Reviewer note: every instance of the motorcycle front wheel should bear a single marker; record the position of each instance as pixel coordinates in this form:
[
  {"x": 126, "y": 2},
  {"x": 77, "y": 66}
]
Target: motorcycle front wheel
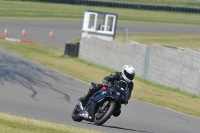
[
  {"x": 75, "y": 115},
  {"x": 103, "y": 115}
]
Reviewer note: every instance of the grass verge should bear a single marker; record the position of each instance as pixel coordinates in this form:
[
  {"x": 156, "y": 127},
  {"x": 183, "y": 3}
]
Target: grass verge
[
  {"x": 15, "y": 124},
  {"x": 53, "y": 11},
  {"x": 143, "y": 90},
  {"x": 193, "y": 3},
  {"x": 191, "y": 41}
]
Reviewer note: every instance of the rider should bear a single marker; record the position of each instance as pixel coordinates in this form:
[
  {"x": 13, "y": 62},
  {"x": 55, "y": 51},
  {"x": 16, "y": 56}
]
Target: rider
[{"x": 127, "y": 74}]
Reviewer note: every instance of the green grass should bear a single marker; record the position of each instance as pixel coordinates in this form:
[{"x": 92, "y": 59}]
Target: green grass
[
  {"x": 53, "y": 11},
  {"x": 75, "y": 40},
  {"x": 83, "y": 70},
  {"x": 15, "y": 124},
  {"x": 192, "y": 3},
  {"x": 191, "y": 41}
]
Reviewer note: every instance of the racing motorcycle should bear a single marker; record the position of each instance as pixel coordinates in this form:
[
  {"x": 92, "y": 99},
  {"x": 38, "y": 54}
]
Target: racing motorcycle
[{"x": 102, "y": 104}]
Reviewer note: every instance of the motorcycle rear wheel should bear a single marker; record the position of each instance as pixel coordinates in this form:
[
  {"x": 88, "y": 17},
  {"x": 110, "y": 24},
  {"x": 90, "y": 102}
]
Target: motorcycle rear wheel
[
  {"x": 75, "y": 115},
  {"x": 106, "y": 116}
]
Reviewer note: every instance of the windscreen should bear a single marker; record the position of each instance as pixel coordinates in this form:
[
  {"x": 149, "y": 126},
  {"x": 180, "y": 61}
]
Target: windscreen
[{"x": 120, "y": 85}]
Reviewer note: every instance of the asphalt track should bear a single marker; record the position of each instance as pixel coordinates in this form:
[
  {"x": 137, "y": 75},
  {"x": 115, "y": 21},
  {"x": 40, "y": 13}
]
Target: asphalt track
[
  {"x": 34, "y": 91},
  {"x": 63, "y": 31}
]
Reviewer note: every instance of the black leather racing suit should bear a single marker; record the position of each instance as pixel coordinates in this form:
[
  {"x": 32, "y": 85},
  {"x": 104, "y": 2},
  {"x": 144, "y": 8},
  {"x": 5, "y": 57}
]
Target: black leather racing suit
[
  {"x": 118, "y": 76},
  {"x": 109, "y": 80}
]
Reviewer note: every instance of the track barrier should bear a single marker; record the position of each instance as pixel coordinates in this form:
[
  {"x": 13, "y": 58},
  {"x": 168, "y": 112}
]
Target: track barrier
[
  {"x": 17, "y": 40},
  {"x": 71, "y": 50},
  {"x": 157, "y": 7}
]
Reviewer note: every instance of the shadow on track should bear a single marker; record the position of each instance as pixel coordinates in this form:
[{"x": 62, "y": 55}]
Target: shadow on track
[
  {"x": 126, "y": 129},
  {"x": 115, "y": 127},
  {"x": 17, "y": 71}
]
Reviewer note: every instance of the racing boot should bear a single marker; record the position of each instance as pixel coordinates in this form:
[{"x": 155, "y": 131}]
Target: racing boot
[
  {"x": 84, "y": 113},
  {"x": 117, "y": 113},
  {"x": 81, "y": 101},
  {"x": 92, "y": 89}
]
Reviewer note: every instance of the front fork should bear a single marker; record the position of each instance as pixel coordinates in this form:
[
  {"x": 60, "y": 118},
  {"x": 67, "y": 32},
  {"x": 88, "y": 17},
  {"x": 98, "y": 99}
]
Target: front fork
[
  {"x": 103, "y": 106},
  {"x": 80, "y": 104}
]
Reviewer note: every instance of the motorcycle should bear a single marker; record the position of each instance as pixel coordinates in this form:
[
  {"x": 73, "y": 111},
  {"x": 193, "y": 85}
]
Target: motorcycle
[{"x": 102, "y": 104}]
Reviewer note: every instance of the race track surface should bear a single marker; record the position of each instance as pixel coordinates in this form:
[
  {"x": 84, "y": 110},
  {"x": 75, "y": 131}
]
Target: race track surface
[
  {"x": 34, "y": 91},
  {"x": 64, "y": 31}
]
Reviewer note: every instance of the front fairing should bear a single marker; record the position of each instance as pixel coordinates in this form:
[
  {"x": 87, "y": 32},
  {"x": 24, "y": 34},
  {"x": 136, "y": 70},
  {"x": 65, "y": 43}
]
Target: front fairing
[
  {"x": 96, "y": 100},
  {"x": 120, "y": 97},
  {"x": 101, "y": 95},
  {"x": 119, "y": 90}
]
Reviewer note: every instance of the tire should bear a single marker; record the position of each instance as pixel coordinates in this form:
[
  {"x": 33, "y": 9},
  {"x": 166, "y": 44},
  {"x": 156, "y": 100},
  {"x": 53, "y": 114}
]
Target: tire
[
  {"x": 106, "y": 116},
  {"x": 75, "y": 115}
]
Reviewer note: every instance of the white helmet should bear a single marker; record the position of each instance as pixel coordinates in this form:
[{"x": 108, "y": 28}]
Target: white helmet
[{"x": 128, "y": 73}]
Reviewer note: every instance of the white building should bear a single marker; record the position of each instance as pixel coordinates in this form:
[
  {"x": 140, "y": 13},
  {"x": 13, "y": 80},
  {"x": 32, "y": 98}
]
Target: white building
[{"x": 99, "y": 24}]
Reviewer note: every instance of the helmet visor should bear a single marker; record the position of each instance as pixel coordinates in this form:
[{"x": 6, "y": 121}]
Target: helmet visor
[{"x": 129, "y": 76}]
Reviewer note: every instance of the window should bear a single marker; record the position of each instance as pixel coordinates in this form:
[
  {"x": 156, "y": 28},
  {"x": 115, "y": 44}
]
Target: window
[
  {"x": 100, "y": 22},
  {"x": 110, "y": 23},
  {"x": 110, "y": 19},
  {"x": 92, "y": 20}
]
